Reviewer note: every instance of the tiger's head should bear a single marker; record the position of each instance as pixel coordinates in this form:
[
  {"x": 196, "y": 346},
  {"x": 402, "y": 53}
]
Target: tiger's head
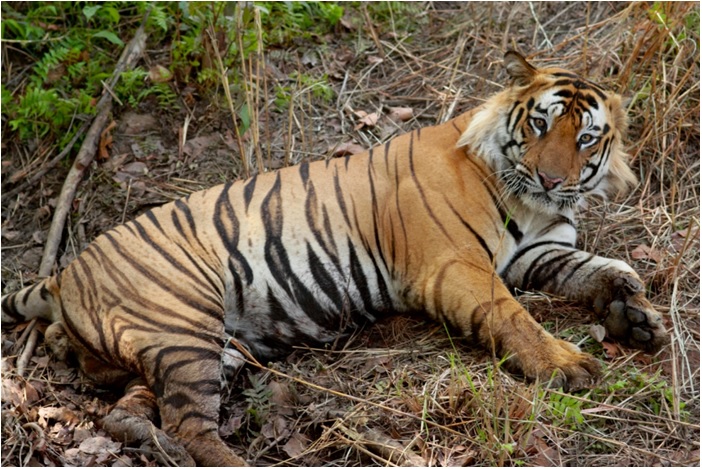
[{"x": 551, "y": 137}]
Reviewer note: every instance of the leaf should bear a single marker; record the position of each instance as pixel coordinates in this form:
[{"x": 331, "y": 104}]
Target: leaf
[
  {"x": 677, "y": 240},
  {"x": 98, "y": 445},
  {"x": 275, "y": 428},
  {"x": 160, "y": 74},
  {"x": 643, "y": 251},
  {"x": 296, "y": 445},
  {"x": 90, "y": 11},
  {"x": 401, "y": 114},
  {"x": 612, "y": 350},
  {"x": 598, "y": 332},
  {"x": 348, "y": 148},
  {"x": 366, "y": 120},
  {"x": 110, "y": 36}
]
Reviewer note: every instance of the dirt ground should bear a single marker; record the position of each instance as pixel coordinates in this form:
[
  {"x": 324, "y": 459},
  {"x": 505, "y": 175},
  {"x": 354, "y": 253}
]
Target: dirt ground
[{"x": 401, "y": 392}]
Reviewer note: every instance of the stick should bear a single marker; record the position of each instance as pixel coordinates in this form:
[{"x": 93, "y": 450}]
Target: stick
[
  {"x": 87, "y": 151},
  {"x": 382, "y": 445},
  {"x": 28, "y": 351}
]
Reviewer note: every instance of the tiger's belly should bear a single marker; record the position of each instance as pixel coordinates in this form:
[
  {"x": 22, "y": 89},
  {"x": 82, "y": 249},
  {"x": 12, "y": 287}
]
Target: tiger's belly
[{"x": 296, "y": 298}]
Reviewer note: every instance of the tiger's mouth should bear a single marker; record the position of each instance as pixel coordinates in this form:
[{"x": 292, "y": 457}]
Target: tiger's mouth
[{"x": 533, "y": 194}]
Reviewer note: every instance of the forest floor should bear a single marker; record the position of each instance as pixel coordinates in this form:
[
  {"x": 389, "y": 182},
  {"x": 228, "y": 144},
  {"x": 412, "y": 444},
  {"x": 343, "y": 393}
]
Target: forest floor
[{"x": 403, "y": 391}]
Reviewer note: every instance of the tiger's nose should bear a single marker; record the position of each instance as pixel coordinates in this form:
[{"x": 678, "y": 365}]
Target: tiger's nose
[{"x": 548, "y": 181}]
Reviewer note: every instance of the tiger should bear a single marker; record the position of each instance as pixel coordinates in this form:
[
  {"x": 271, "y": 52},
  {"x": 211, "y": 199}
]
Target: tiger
[{"x": 448, "y": 220}]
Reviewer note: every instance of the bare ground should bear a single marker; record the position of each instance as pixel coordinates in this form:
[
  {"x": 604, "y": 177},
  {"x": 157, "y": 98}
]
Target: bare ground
[{"x": 404, "y": 392}]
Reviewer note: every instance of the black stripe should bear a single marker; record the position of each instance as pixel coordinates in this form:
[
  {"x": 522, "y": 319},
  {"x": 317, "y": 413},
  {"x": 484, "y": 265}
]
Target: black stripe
[
  {"x": 538, "y": 277},
  {"x": 320, "y": 228},
  {"x": 203, "y": 289},
  {"x": 249, "y": 188},
  {"x": 574, "y": 269},
  {"x": 225, "y": 215},
  {"x": 521, "y": 252},
  {"x": 323, "y": 279},
  {"x": 475, "y": 234},
  {"x": 305, "y": 172},
  {"x": 359, "y": 278},
  {"x": 278, "y": 262},
  {"x": 164, "y": 282},
  {"x": 340, "y": 197},
  {"x": 423, "y": 197}
]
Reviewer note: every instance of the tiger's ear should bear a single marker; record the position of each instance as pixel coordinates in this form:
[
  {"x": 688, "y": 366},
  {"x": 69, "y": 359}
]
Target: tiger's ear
[{"x": 521, "y": 71}]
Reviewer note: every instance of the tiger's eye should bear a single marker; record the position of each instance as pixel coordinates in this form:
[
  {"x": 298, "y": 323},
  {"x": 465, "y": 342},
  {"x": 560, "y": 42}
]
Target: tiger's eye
[
  {"x": 540, "y": 124},
  {"x": 585, "y": 139}
]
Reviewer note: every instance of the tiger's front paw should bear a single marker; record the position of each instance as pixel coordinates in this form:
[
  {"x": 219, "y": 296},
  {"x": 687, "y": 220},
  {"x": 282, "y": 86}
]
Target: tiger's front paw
[
  {"x": 630, "y": 317},
  {"x": 559, "y": 364}
]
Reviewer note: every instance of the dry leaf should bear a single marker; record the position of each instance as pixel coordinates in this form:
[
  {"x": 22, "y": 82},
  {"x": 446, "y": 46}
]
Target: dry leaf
[
  {"x": 677, "y": 240},
  {"x": 275, "y": 428},
  {"x": 281, "y": 397},
  {"x": 348, "y": 148},
  {"x": 598, "y": 332},
  {"x": 643, "y": 251},
  {"x": 612, "y": 350},
  {"x": 366, "y": 120},
  {"x": 296, "y": 445},
  {"x": 374, "y": 59},
  {"x": 544, "y": 455},
  {"x": 400, "y": 114},
  {"x": 98, "y": 445},
  {"x": 160, "y": 74},
  {"x": 11, "y": 392},
  {"x": 105, "y": 142},
  {"x": 232, "y": 425}
]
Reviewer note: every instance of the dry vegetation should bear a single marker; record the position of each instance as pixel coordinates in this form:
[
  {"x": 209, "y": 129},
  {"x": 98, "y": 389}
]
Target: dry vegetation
[{"x": 404, "y": 392}]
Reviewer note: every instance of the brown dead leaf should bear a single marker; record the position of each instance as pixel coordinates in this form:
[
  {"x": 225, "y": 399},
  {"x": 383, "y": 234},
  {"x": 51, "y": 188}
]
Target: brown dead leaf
[
  {"x": 11, "y": 235},
  {"x": 11, "y": 392},
  {"x": 400, "y": 114},
  {"x": 544, "y": 455},
  {"x": 612, "y": 350},
  {"x": 643, "y": 251},
  {"x": 348, "y": 148},
  {"x": 678, "y": 238},
  {"x": 105, "y": 144},
  {"x": 160, "y": 74},
  {"x": 59, "y": 414},
  {"x": 231, "y": 426},
  {"x": 296, "y": 445},
  {"x": 365, "y": 119},
  {"x": 98, "y": 445},
  {"x": 281, "y": 397},
  {"x": 275, "y": 428}
]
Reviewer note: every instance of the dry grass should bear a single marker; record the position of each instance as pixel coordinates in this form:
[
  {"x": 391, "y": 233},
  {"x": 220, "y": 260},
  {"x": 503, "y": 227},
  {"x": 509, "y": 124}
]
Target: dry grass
[{"x": 404, "y": 391}]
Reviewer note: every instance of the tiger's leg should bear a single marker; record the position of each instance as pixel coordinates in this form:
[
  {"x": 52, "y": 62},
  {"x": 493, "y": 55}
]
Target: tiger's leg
[
  {"x": 611, "y": 287},
  {"x": 186, "y": 380},
  {"x": 477, "y": 302},
  {"x": 132, "y": 418}
]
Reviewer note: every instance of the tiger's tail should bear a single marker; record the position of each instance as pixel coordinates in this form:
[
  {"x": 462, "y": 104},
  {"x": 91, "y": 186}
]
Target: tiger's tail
[{"x": 35, "y": 301}]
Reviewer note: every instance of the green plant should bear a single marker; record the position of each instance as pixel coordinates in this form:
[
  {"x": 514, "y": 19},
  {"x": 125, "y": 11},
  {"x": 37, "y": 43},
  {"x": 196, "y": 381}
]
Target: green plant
[
  {"x": 258, "y": 399},
  {"x": 566, "y": 409}
]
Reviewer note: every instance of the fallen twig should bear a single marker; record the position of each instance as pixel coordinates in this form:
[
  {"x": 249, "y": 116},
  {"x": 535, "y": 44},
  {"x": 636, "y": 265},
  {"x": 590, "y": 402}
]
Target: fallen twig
[
  {"x": 384, "y": 446},
  {"x": 87, "y": 151},
  {"x": 28, "y": 349}
]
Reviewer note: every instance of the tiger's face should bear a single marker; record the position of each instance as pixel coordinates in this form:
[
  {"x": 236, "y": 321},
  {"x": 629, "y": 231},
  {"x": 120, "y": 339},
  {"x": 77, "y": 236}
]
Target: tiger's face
[{"x": 555, "y": 137}]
